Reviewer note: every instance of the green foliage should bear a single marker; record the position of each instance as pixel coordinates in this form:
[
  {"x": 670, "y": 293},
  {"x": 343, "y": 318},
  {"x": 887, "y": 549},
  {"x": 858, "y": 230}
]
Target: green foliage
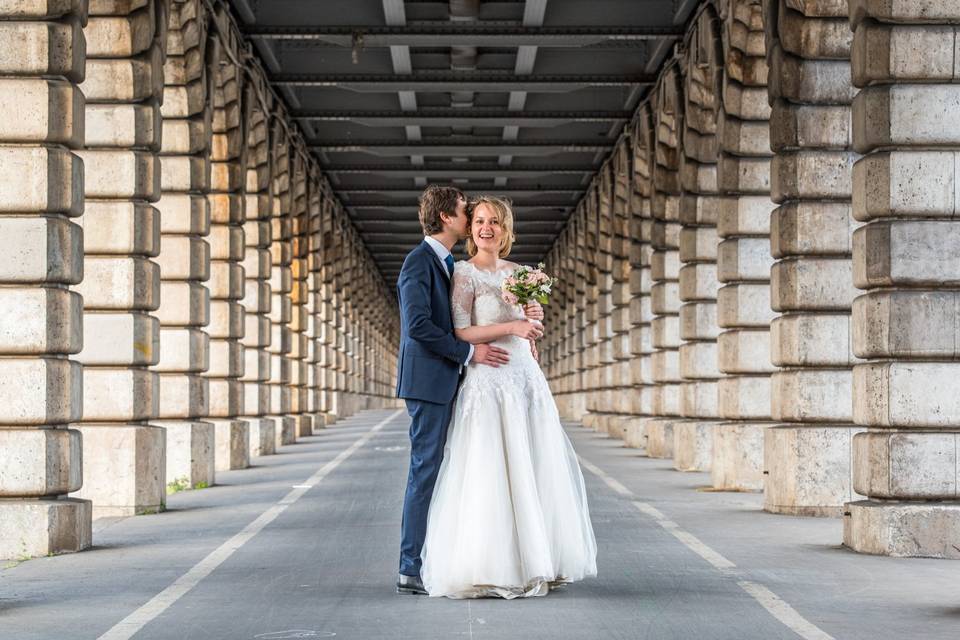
[{"x": 178, "y": 485}]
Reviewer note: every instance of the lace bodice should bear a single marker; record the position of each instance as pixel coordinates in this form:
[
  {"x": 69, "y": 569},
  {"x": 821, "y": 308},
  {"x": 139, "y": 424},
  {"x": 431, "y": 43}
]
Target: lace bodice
[{"x": 476, "y": 298}]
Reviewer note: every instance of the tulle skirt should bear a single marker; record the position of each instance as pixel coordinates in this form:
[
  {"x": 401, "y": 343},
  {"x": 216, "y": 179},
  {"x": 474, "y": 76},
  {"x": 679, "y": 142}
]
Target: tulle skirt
[{"x": 509, "y": 514}]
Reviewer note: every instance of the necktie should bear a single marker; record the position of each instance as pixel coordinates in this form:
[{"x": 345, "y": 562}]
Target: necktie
[{"x": 449, "y": 261}]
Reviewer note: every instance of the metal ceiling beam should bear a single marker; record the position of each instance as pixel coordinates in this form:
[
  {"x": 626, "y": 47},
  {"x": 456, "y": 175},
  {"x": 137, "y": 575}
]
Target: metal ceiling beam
[
  {"x": 396, "y": 257},
  {"x": 477, "y": 34},
  {"x": 412, "y": 226},
  {"x": 443, "y": 81},
  {"x": 454, "y": 147},
  {"x": 414, "y": 193},
  {"x": 411, "y": 203},
  {"x": 555, "y": 211},
  {"x": 453, "y": 171},
  {"x": 463, "y": 117},
  {"x": 374, "y": 238}
]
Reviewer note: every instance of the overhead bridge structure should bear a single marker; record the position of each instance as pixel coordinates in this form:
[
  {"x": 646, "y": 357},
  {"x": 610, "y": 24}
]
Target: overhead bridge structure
[{"x": 751, "y": 208}]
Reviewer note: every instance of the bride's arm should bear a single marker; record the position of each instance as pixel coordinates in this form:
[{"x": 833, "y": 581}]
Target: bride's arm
[{"x": 491, "y": 332}]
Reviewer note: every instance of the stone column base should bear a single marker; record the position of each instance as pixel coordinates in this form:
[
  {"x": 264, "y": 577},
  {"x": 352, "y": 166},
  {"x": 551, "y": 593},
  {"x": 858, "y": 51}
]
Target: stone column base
[
  {"x": 263, "y": 436},
  {"x": 232, "y": 444},
  {"x": 323, "y": 420},
  {"x": 32, "y": 528},
  {"x": 319, "y": 422},
  {"x": 903, "y": 529},
  {"x": 129, "y": 475},
  {"x": 635, "y": 433},
  {"x": 616, "y": 425},
  {"x": 190, "y": 452},
  {"x": 807, "y": 469},
  {"x": 660, "y": 437},
  {"x": 693, "y": 445},
  {"x": 286, "y": 431},
  {"x": 563, "y": 405},
  {"x": 737, "y": 463},
  {"x": 304, "y": 423},
  {"x": 591, "y": 421}
]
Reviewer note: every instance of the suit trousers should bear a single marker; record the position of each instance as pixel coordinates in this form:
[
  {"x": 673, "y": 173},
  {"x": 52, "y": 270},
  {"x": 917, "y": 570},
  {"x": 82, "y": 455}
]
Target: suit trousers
[{"x": 428, "y": 436}]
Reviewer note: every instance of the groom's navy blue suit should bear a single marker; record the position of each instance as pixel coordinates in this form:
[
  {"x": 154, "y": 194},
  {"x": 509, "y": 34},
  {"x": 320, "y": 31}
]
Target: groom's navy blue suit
[{"x": 429, "y": 373}]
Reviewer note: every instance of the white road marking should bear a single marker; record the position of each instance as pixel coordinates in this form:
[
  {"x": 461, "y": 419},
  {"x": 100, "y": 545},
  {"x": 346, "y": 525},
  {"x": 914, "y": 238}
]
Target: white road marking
[
  {"x": 783, "y": 612},
  {"x": 134, "y": 622},
  {"x": 775, "y": 606}
]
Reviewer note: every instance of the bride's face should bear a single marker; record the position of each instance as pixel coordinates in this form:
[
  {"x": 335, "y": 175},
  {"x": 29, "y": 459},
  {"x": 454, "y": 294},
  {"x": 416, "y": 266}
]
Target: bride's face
[{"x": 485, "y": 229}]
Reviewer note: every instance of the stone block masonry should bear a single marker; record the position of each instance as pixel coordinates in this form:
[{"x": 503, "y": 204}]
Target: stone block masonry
[
  {"x": 41, "y": 258},
  {"x": 121, "y": 284},
  {"x": 743, "y": 256},
  {"x": 807, "y": 459},
  {"x": 135, "y": 230},
  {"x": 906, "y": 263},
  {"x": 184, "y": 258}
]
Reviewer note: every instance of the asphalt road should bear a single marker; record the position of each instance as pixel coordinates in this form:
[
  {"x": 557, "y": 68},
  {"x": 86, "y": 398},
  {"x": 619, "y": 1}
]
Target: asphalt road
[{"x": 304, "y": 545}]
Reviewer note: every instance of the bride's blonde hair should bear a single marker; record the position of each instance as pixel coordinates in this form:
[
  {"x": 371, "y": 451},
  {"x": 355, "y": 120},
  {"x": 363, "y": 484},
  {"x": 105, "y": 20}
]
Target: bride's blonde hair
[{"x": 502, "y": 207}]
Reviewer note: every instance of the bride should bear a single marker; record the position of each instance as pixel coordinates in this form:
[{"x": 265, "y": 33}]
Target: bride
[{"x": 509, "y": 514}]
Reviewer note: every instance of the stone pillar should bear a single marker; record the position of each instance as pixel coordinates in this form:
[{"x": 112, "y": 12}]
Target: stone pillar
[
  {"x": 580, "y": 314},
  {"x": 351, "y": 295},
  {"x": 906, "y": 259},
  {"x": 743, "y": 257},
  {"x": 600, "y": 332},
  {"x": 281, "y": 283},
  {"x": 256, "y": 267},
  {"x": 298, "y": 298},
  {"x": 327, "y": 357},
  {"x": 125, "y": 471},
  {"x": 227, "y": 281},
  {"x": 807, "y": 460},
  {"x": 595, "y": 285},
  {"x": 319, "y": 195},
  {"x": 621, "y": 396},
  {"x": 335, "y": 317},
  {"x": 699, "y": 206},
  {"x": 550, "y": 347},
  {"x": 641, "y": 282},
  {"x": 185, "y": 255},
  {"x": 41, "y": 320},
  {"x": 665, "y": 264}
]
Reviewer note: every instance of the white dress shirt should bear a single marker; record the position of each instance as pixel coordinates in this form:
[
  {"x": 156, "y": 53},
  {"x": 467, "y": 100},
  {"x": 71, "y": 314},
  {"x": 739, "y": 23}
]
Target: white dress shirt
[{"x": 442, "y": 253}]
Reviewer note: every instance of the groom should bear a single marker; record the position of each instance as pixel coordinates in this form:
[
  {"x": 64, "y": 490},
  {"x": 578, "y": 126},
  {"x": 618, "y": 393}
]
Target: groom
[{"x": 431, "y": 360}]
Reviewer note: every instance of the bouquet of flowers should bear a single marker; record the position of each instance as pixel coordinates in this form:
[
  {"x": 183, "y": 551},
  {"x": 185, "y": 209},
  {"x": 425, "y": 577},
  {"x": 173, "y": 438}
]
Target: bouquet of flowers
[{"x": 526, "y": 284}]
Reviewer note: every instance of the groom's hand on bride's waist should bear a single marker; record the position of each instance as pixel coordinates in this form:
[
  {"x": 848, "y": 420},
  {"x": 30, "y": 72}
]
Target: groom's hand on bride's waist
[{"x": 490, "y": 355}]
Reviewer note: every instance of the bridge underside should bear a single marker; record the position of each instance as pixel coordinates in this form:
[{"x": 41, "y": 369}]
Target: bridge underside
[{"x": 750, "y": 207}]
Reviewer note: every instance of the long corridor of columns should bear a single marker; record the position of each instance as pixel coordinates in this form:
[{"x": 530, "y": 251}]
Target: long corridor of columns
[
  {"x": 758, "y": 286},
  {"x": 791, "y": 255},
  {"x": 181, "y": 290}
]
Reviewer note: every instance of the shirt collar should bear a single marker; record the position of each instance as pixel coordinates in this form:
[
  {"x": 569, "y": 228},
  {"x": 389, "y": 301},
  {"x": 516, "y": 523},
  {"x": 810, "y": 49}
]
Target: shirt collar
[{"x": 438, "y": 248}]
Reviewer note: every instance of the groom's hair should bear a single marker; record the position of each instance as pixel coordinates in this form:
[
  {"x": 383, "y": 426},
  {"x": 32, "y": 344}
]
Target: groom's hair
[{"x": 434, "y": 200}]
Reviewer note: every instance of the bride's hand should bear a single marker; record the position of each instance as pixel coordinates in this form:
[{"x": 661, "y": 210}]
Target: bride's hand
[
  {"x": 533, "y": 311},
  {"x": 526, "y": 329}
]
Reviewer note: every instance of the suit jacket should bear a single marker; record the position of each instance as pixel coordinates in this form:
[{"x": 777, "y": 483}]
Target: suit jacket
[{"x": 430, "y": 354}]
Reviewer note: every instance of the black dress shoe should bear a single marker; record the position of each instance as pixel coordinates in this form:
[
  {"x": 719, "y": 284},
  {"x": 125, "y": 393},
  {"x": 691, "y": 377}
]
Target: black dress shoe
[{"x": 410, "y": 584}]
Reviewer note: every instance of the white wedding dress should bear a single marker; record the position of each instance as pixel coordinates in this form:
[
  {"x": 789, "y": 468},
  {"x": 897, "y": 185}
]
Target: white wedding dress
[{"x": 509, "y": 512}]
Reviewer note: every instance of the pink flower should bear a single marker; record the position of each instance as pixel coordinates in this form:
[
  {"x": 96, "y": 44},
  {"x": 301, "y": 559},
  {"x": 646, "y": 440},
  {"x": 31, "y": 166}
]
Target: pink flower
[{"x": 509, "y": 298}]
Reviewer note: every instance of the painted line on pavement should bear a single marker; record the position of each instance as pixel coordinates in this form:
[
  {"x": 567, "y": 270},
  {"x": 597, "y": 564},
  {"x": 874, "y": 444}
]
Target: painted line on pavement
[
  {"x": 775, "y": 606},
  {"x": 134, "y": 622}
]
